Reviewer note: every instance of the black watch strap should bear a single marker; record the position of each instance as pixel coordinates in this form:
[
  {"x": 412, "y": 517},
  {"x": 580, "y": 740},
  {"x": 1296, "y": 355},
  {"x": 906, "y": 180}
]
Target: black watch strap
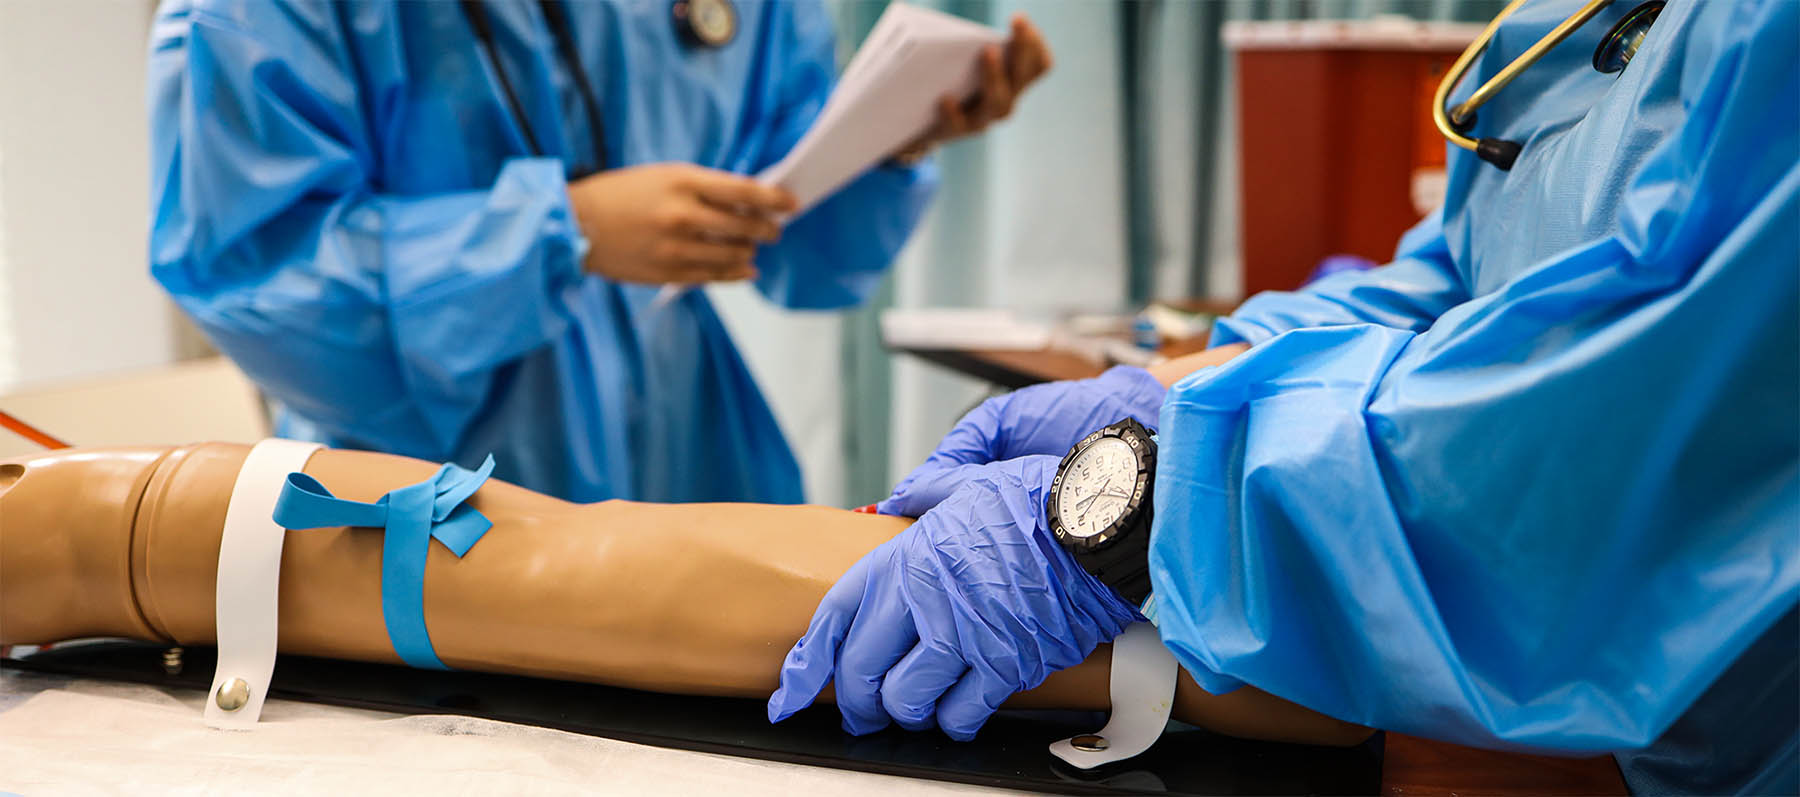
[{"x": 1123, "y": 565}]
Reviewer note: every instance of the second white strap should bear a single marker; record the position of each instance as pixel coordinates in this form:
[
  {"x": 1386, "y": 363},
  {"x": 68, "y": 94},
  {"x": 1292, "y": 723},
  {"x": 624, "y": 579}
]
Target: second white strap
[
  {"x": 247, "y": 602},
  {"x": 1143, "y": 693}
]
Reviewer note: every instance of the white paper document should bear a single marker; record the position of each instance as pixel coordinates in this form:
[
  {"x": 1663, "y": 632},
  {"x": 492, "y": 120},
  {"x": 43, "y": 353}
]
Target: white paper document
[{"x": 886, "y": 98}]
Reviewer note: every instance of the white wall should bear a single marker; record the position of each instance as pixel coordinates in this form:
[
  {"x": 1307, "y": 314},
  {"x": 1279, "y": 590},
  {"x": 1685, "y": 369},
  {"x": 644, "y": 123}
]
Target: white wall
[
  {"x": 76, "y": 297},
  {"x": 9, "y": 358}
]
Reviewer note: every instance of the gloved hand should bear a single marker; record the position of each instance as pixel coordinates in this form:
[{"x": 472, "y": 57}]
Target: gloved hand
[
  {"x": 1041, "y": 419},
  {"x": 939, "y": 625}
]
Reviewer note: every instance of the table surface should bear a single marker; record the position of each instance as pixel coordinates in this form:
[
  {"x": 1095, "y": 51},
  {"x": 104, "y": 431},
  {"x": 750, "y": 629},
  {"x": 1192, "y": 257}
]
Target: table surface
[
  {"x": 144, "y": 719},
  {"x": 62, "y": 735},
  {"x": 1412, "y": 766}
]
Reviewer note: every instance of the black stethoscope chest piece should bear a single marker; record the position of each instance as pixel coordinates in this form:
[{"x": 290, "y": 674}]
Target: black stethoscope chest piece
[{"x": 707, "y": 23}]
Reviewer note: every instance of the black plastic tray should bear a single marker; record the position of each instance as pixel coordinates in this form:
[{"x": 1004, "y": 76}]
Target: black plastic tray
[{"x": 1011, "y": 750}]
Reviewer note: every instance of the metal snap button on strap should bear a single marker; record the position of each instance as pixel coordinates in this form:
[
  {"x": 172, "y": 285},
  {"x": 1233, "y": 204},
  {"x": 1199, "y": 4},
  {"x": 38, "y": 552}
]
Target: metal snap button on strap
[
  {"x": 1091, "y": 743},
  {"x": 233, "y": 694}
]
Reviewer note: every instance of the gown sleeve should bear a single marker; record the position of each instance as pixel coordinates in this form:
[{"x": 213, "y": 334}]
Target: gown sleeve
[
  {"x": 834, "y": 254},
  {"x": 1408, "y": 293},
  {"x": 379, "y": 317},
  {"x": 1548, "y": 519}
]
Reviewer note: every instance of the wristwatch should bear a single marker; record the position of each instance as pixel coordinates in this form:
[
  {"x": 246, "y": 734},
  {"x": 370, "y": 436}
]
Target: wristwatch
[{"x": 1099, "y": 506}]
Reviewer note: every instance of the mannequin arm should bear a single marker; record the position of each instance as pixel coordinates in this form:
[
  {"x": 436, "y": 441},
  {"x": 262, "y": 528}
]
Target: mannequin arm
[
  {"x": 692, "y": 599},
  {"x": 1170, "y": 371}
]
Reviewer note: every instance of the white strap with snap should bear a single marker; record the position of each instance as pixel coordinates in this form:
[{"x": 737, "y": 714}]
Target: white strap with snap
[
  {"x": 247, "y": 601},
  {"x": 1143, "y": 692}
]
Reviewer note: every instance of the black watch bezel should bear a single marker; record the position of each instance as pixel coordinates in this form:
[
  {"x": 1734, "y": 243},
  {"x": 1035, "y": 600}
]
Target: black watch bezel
[{"x": 1136, "y": 508}]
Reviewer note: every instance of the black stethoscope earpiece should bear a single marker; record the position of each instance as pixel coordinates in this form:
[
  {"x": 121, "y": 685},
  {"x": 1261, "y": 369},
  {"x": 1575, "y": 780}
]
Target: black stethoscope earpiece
[{"x": 1615, "y": 51}]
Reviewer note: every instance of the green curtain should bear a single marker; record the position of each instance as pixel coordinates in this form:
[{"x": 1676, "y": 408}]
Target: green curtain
[{"x": 1102, "y": 188}]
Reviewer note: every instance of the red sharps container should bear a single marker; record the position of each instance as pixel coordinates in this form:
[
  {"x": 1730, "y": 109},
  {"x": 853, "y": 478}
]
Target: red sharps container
[{"x": 1337, "y": 151}]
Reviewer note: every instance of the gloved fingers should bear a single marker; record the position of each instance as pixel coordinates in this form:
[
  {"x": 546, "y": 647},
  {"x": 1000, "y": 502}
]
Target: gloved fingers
[
  {"x": 969, "y": 704},
  {"x": 927, "y": 492},
  {"x": 1133, "y": 383},
  {"x": 809, "y": 665},
  {"x": 974, "y": 440},
  {"x": 1139, "y": 394},
  {"x": 898, "y": 503},
  {"x": 1040, "y": 420},
  {"x": 914, "y": 686},
  {"x": 923, "y": 491},
  {"x": 882, "y": 633}
]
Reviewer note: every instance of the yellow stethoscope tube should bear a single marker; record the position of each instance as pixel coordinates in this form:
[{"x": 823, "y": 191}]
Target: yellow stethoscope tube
[{"x": 1454, "y": 121}]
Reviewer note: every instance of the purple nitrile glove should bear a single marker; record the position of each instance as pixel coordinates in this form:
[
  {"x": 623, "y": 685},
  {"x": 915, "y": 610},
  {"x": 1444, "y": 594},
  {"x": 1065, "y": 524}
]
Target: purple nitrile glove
[
  {"x": 973, "y": 603},
  {"x": 1041, "y": 419}
]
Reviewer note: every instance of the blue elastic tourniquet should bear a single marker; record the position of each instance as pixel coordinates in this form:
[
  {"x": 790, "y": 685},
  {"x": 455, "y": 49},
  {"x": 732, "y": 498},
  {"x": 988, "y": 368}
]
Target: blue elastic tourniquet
[{"x": 411, "y": 515}]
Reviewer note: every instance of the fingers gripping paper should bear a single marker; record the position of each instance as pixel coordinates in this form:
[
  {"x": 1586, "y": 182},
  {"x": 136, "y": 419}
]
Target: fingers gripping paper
[{"x": 886, "y": 98}]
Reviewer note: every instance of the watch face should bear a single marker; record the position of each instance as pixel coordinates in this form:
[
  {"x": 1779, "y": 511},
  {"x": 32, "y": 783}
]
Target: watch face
[{"x": 1097, "y": 487}]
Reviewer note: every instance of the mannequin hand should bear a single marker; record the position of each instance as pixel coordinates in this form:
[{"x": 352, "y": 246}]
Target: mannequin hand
[
  {"x": 942, "y": 623},
  {"x": 1004, "y": 76},
  {"x": 675, "y": 222},
  {"x": 1042, "y": 419}
]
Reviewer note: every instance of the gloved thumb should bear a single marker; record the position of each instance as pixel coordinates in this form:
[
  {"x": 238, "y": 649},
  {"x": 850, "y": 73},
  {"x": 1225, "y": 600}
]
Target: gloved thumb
[
  {"x": 927, "y": 487},
  {"x": 920, "y": 495},
  {"x": 812, "y": 661},
  {"x": 973, "y": 441}
]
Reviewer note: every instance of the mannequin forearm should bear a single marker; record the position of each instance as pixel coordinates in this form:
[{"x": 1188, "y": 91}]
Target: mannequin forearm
[
  {"x": 694, "y": 599},
  {"x": 1170, "y": 371}
]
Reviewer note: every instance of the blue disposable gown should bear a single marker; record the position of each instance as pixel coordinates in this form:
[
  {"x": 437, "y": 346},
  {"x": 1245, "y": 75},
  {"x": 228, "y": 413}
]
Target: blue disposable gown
[
  {"x": 344, "y": 204},
  {"x": 1535, "y": 484}
]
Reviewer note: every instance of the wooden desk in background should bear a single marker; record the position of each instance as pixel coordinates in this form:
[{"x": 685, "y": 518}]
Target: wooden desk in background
[
  {"x": 1013, "y": 368},
  {"x": 1411, "y": 765}
]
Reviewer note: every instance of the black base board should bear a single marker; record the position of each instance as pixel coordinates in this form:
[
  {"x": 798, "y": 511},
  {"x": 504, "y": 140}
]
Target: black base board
[{"x": 1010, "y": 752}]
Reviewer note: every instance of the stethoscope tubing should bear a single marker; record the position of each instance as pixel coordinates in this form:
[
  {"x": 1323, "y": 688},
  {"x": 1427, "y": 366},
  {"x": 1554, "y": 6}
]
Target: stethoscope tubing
[{"x": 556, "y": 17}]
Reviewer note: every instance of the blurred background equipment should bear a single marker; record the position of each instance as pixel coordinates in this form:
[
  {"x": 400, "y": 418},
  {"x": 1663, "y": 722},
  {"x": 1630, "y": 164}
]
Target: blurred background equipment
[
  {"x": 1117, "y": 184},
  {"x": 1010, "y": 349}
]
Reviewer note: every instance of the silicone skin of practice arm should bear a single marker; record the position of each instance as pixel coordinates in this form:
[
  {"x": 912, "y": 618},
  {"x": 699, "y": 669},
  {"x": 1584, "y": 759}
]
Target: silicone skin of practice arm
[{"x": 691, "y": 599}]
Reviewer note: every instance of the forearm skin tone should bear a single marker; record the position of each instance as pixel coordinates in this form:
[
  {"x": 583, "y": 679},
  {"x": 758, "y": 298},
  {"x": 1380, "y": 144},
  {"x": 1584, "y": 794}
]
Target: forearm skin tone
[
  {"x": 1168, "y": 372},
  {"x": 692, "y": 599}
]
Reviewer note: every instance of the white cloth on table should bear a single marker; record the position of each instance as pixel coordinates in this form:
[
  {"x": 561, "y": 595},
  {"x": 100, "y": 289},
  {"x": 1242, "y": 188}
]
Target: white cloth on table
[{"x": 71, "y": 736}]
